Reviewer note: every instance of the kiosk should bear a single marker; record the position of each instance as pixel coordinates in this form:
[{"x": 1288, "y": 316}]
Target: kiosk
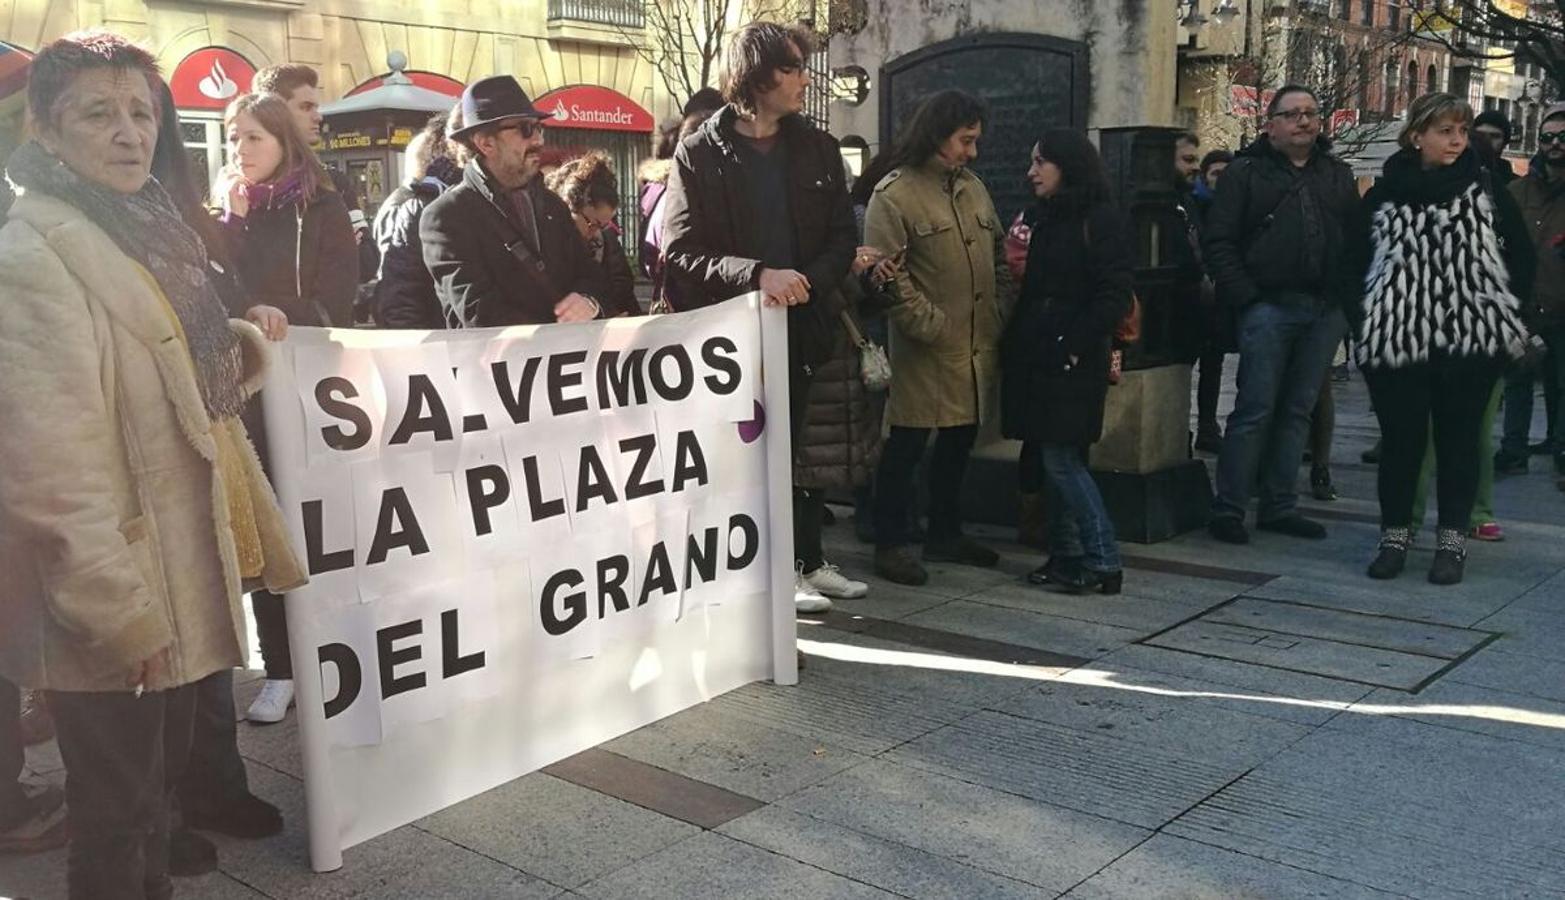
[{"x": 366, "y": 133}]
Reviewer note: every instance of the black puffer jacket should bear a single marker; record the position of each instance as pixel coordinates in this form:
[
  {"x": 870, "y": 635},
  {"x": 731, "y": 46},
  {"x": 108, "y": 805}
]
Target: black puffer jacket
[
  {"x": 405, "y": 296},
  {"x": 839, "y": 445},
  {"x": 1277, "y": 228},
  {"x": 1076, "y": 290},
  {"x": 712, "y": 247}
]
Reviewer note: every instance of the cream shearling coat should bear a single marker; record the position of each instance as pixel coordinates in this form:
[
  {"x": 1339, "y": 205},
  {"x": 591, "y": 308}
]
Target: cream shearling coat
[{"x": 115, "y": 541}]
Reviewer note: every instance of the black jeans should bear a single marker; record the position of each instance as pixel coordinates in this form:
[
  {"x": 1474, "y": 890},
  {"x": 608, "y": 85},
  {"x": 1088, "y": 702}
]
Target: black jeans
[
  {"x": 1029, "y": 469},
  {"x": 13, "y": 755},
  {"x": 809, "y": 515},
  {"x": 215, "y": 774},
  {"x": 123, "y": 755},
  {"x": 1450, "y": 395},
  {"x": 271, "y": 630},
  {"x": 1323, "y": 425},
  {"x": 1209, "y": 388},
  {"x": 894, "y": 482}
]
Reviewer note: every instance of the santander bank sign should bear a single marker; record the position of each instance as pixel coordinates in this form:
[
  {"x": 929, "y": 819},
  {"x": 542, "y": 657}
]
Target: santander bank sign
[
  {"x": 590, "y": 106},
  {"x": 209, "y": 78}
]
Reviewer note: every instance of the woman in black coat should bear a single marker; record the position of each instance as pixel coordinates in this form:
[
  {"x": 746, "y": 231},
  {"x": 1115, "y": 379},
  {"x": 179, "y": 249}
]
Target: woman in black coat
[
  {"x": 288, "y": 231},
  {"x": 1055, "y": 354}
]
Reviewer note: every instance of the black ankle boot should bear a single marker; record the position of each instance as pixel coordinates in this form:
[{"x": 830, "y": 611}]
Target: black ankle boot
[
  {"x": 1392, "y": 557},
  {"x": 1450, "y": 557},
  {"x": 1086, "y": 581}
]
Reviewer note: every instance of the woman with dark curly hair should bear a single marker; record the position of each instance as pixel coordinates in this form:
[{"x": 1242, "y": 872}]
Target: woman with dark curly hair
[
  {"x": 1055, "y": 354},
  {"x": 589, "y": 188}
]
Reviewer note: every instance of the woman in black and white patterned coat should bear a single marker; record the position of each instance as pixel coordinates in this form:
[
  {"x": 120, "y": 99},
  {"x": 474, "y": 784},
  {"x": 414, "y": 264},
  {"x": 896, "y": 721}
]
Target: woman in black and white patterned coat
[{"x": 1448, "y": 257}]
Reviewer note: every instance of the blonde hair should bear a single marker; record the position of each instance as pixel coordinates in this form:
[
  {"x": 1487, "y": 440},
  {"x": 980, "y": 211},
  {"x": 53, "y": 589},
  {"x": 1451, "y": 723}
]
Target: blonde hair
[
  {"x": 272, "y": 113},
  {"x": 1430, "y": 110}
]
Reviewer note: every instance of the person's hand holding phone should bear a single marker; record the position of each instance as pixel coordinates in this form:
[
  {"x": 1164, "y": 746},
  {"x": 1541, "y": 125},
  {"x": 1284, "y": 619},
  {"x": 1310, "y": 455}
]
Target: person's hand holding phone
[{"x": 889, "y": 267}]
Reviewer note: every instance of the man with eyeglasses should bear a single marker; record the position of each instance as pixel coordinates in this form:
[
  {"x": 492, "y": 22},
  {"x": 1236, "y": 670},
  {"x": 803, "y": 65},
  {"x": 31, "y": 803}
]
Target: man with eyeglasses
[
  {"x": 502, "y": 248},
  {"x": 1275, "y": 241},
  {"x": 1541, "y": 195}
]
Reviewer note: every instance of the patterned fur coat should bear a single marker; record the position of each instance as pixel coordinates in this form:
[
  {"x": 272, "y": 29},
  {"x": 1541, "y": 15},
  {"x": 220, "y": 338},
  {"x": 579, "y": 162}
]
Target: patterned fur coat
[{"x": 1448, "y": 257}]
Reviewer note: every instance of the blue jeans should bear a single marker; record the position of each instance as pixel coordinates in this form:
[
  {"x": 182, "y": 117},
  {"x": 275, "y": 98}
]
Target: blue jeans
[
  {"x": 1285, "y": 347},
  {"x": 1518, "y": 396},
  {"x": 1079, "y": 523}
]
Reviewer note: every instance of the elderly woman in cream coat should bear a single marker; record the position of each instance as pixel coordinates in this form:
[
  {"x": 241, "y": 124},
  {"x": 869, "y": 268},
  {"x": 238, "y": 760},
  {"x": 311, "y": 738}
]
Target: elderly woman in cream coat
[{"x": 133, "y": 511}]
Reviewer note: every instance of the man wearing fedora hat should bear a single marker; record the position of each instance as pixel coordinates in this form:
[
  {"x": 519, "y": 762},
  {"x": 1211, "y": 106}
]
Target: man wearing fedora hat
[{"x": 503, "y": 250}]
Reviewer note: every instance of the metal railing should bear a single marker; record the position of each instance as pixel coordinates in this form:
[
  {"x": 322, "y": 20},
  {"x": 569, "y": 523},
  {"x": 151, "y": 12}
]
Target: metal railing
[{"x": 623, "y": 13}]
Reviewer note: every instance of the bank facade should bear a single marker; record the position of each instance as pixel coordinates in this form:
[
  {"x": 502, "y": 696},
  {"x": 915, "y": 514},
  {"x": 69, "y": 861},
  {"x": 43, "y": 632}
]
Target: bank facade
[{"x": 576, "y": 56}]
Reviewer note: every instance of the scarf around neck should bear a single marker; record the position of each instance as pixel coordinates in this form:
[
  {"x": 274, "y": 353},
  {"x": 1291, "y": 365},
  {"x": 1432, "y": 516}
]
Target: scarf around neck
[
  {"x": 147, "y": 228},
  {"x": 282, "y": 192}
]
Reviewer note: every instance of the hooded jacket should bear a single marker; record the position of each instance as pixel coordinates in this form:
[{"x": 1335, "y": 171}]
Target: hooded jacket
[
  {"x": 405, "y": 296},
  {"x": 1275, "y": 229}
]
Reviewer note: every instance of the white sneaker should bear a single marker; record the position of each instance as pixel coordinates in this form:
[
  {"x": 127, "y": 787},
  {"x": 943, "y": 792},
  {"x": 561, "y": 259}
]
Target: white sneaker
[
  {"x": 271, "y": 705},
  {"x": 828, "y": 579},
  {"x": 806, "y": 599}
]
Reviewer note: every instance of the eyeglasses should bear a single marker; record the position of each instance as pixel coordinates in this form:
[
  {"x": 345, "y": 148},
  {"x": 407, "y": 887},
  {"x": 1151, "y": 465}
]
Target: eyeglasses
[
  {"x": 1298, "y": 115},
  {"x": 1551, "y": 137},
  {"x": 524, "y": 127}
]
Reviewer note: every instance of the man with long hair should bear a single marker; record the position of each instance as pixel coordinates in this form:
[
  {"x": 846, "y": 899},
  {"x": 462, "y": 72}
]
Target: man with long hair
[
  {"x": 758, "y": 200},
  {"x": 945, "y": 333}
]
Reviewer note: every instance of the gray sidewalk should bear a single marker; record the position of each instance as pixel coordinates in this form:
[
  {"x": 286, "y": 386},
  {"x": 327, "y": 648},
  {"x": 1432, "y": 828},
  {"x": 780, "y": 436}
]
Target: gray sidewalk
[{"x": 1259, "y": 721}]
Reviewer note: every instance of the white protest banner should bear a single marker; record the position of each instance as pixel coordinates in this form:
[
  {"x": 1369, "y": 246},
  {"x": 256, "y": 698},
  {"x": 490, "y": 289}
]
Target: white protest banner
[{"x": 523, "y": 542}]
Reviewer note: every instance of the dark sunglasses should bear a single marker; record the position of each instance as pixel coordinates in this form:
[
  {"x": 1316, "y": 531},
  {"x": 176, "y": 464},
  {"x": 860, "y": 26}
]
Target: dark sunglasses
[
  {"x": 524, "y": 127},
  {"x": 1551, "y": 137}
]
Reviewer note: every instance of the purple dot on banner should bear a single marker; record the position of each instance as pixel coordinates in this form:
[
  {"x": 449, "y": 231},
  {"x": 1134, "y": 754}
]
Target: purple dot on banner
[{"x": 750, "y": 431}]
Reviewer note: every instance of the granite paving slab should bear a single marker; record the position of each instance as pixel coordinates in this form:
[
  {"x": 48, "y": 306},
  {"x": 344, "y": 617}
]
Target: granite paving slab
[
  {"x": 1092, "y": 770},
  {"x": 735, "y": 752},
  {"x": 999, "y": 832},
  {"x": 1294, "y": 696},
  {"x": 1513, "y": 673},
  {"x": 554, "y": 830},
  {"x": 1045, "y": 632},
  {"x": 1467, "y": 707},
  {"x": 712, "y": 865},
  {"x": 408, "y": 861},
  {"x": 1153, "y": 714},
  {"x": 903, "y": 870},
  {"x": 955, "y": 678},
  {"x": 1131, "y": 610},
  {"x": 1403, "y": 807},
  {"x": 1529, "y": 631},
  {"x": 1171, "y": 868}
]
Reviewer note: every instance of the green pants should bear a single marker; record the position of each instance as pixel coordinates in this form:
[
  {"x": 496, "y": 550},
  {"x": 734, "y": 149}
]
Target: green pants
[{"x": 1483, "y": 505}]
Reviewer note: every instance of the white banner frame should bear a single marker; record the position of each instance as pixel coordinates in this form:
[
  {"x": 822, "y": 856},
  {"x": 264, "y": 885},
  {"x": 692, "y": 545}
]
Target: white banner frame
[{"x": 333, "y": 827}]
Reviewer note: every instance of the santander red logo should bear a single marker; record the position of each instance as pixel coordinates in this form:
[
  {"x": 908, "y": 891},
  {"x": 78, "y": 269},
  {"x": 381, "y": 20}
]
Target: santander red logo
[
  {"x": 209, "y": 78},
  {"x": 590, "y": 106}
]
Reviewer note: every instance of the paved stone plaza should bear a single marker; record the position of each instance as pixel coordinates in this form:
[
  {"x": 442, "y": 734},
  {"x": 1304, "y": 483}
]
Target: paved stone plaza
[{"x": 1254, "y": 722}]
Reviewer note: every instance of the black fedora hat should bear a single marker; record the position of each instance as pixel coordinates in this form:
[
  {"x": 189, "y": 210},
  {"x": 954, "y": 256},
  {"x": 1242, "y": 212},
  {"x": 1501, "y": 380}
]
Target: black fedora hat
[{"x": 494, "y": 99}]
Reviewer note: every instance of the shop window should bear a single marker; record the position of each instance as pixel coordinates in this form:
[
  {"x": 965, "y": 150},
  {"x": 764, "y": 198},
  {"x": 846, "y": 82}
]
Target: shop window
[{"x": 202, "y": 136}]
